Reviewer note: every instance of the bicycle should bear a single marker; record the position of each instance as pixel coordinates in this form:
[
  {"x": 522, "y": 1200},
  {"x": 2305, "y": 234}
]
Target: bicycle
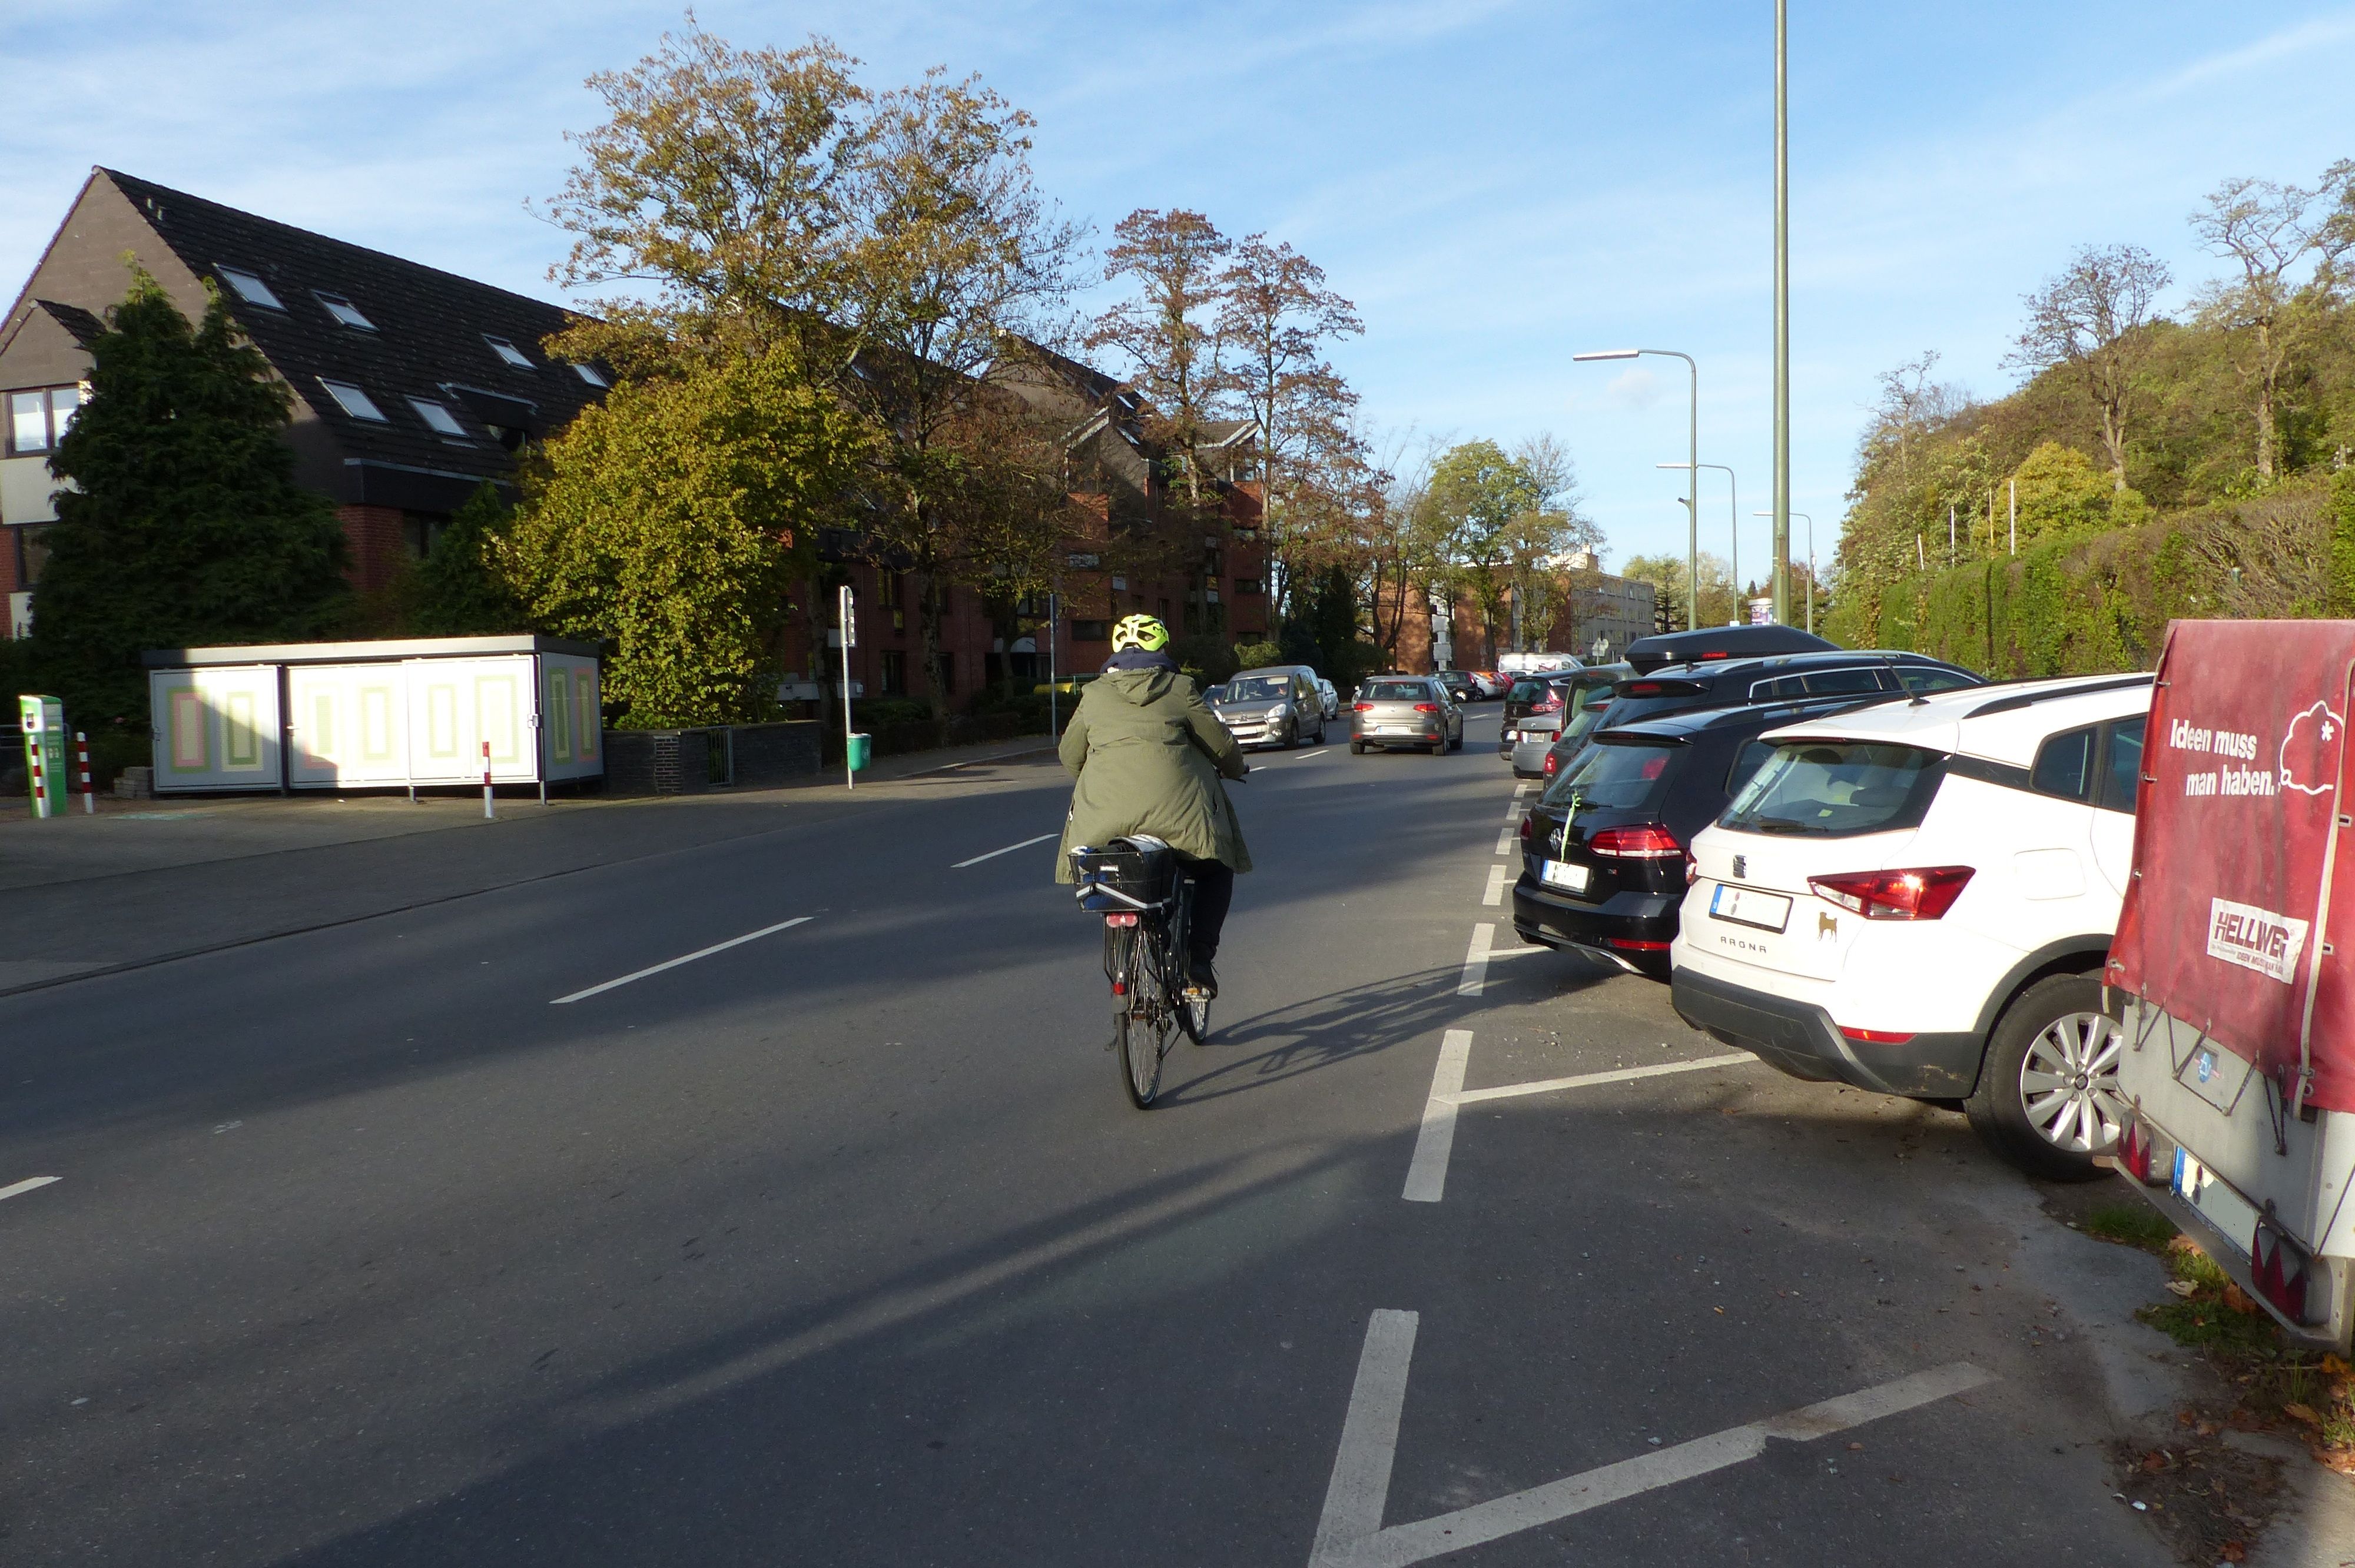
[{"x": 1138, "y": 885}]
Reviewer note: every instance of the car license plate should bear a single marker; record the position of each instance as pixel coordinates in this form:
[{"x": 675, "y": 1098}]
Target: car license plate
[
  {"x": 1748, "y": 907},
  {"x": 1564, "y": 874}
]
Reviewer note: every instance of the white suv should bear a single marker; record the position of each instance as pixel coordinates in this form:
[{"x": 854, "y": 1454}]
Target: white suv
[{"x": 1917, "y": 898}]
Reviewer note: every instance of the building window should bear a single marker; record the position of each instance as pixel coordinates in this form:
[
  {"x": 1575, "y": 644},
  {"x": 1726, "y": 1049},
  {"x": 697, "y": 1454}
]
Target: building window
[
  {"x": 353, "y": 401},
  {"x": 344, "y": 310},
  {"x": 508, "y": 353},
  {"x": 437, "y": 417},
  {"x": 895, "y": 673},
  {"x": 1091, "y": 632},
  {"x": 948, "y": 673},
  {"x": 250, "y": 287},
  {"x": 37, "y": 418},
  {"x": 420, "y": 532},
  {"x": 1247, "y": 586},
  {"x": 1082, "y": 563},
  {"x": 892, "y": 590},
  {"x": 591, "y": 374}
]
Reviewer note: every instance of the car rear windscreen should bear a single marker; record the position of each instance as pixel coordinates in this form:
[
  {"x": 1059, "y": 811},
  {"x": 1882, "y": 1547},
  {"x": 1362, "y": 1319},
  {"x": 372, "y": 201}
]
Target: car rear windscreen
[
  {"x": 1395, "y": 692},
  {"x": 1627, "y": 710},
  {"x": 1831, "y": 789},
  {"x": 1613, "y": 777},
  {"x": 1526, "y": 692}
]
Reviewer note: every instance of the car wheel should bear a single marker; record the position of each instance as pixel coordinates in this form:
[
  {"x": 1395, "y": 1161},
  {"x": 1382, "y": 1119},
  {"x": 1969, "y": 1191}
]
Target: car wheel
[
  {"x": 1357, "y": 748},
  {"x": 2047, "y": 1099},
  {"x": 1320, "y": 732}
]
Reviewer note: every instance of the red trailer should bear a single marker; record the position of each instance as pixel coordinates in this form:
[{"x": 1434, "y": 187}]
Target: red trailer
[{"x": 2236, "y": 953}]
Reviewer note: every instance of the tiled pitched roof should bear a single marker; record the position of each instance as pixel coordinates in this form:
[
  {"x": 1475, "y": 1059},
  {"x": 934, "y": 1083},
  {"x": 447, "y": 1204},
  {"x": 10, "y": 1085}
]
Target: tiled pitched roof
[
  {"x": 84, "y": 326},
  {"x": 428, "y": 340}
]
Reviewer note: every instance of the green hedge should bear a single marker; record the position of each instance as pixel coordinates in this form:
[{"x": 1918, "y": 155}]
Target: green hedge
[{"x": 2101, "y": 602}]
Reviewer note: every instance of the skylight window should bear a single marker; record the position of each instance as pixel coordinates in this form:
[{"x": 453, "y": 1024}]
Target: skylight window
[
  {"x": 438, "y": 416},
  {"x": 250, "y": 288},
  {"x": 591, "y": 374},
  {"x": 508, "y": 352},
  {"x": 353, "y": 401},
  {"x": 344, "y": 310}
]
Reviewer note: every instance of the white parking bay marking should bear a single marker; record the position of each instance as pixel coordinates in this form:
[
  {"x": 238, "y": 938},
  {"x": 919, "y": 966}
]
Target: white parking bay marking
[
  {"x": 1010, "y": 849},
  {"x": 686, "y": 958},
  {"x": 1349, "y": 1532},
  {"x": 1495, "y": 895},
  {"x": 1475, "y": 961},
  {"x": 1505, "y": 841},
  {"x": 1513, "y": 810},
  {"x": 28, "y": 1184},
  {"x": 1520, "y": 788},
  {"x": 1426, "y": 1176},
  {"x": 1587, "y": 1080}
]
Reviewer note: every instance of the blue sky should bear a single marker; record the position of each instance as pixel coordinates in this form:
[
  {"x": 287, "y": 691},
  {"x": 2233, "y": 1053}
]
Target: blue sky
[{"x": 1496, "y": 185}]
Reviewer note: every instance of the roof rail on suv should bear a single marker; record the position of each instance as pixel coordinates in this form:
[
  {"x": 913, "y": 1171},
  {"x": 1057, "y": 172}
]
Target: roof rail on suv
[{"x": 2029, "y": 699}]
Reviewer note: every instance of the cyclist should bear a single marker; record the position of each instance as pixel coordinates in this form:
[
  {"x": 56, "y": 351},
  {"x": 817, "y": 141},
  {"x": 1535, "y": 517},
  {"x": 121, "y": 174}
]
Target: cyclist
[{"x": 1148, "y": 755}]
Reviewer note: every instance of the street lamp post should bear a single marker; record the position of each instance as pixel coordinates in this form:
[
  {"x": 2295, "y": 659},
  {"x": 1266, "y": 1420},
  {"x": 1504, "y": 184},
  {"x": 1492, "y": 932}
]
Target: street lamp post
[
  {"x": 1811, "y": 560},
  {"x": 1734, "y": 522},
  {"x": 1692, "y": 490},
  {"x": 1783, "y": 318}
]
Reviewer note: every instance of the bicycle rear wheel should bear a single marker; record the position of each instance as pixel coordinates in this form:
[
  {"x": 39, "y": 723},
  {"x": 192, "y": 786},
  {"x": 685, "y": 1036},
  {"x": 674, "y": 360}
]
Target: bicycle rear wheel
[{"x": 1141, "y": 1047}]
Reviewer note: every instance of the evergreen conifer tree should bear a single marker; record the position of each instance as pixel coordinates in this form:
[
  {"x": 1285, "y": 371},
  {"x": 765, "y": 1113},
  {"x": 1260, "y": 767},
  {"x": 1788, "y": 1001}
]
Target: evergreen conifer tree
[{"x": 184, "y": 526}]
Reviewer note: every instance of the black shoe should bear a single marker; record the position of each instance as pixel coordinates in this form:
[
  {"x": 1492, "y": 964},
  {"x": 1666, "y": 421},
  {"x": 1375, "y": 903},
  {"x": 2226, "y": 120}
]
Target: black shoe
[{"x": 1203, "y": 978}]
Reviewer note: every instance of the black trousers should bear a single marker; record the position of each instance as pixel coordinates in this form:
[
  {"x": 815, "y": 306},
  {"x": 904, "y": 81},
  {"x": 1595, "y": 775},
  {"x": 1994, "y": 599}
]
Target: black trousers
[{"x": 1214, "y": 890}]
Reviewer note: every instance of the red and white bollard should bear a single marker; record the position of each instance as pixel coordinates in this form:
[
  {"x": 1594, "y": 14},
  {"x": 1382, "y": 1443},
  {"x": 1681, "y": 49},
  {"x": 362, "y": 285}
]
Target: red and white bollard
[
  {"x": 40, "y": 782},
  {"x": 81, "y": 760},
  {"x": 488, "y": 815}
]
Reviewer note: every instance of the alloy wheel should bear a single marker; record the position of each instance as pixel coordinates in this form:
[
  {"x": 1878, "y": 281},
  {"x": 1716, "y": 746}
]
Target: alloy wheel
[{"x": 2069, "y": 1082}]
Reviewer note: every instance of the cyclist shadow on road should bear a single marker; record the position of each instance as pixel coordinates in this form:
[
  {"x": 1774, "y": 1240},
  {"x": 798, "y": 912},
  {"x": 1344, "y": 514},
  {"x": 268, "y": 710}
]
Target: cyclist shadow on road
[{"x": 1303, "y": 1036}]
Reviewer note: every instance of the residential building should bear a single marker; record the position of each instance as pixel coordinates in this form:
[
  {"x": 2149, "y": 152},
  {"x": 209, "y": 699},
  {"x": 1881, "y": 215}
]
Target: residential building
[{"x": 411, "y": 386}]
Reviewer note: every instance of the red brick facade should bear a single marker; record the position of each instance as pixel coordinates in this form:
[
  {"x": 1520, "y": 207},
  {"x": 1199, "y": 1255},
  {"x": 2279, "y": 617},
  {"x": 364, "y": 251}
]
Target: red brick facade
[{"x": 379, "y": 544}]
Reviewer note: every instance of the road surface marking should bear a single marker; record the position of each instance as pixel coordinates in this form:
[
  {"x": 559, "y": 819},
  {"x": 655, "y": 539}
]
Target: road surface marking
[
  {"x": 1585, "y": 1080},
  {"x": 1495, "y": 896},
  {"x": 1306, "y": 755},
  {"x": 1520, "y": 788},
  {"x": 1349, "y": 1534},
  {"x": 1362, "y": 1470},
  {"x": 1010, "y": 849},
  {"x": 1476, "y": 961},
  {"x": 28, "y": 1184},
  {"x": 1513, "y": 810},
  {"x": 686, "y": 958},
  {"x": 1505, "y": 841},
  {"x": 1426, "y": 1176}
]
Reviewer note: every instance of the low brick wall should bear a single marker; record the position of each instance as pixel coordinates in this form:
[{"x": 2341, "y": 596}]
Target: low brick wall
[
  {"x": 657, "y": 761},
  {"x": 770, "y": 754}
]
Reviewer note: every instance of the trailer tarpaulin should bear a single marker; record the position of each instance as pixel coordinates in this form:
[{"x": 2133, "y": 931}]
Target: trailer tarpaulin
[{"x": 2237, "y": 916}]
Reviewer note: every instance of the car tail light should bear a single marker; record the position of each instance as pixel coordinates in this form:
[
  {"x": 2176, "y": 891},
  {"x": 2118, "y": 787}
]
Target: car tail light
[
  {"x": 1924, "y": 895},
  {"x": 1362, "y": 707},
  {"x": 2278, "y": 1270},
  {"x": 1529, "y": 827},
  {"x": 1551, "y": 762},
  {"x": 1426, "y": 708},
  {"x": 2134, "y": 1152},
  {"x": 1634, "y": 945},
  {"x": 1637, "y": 843},
  {"x": 1875, "y": 1036},
  {"x": 1547, "y": 703}
]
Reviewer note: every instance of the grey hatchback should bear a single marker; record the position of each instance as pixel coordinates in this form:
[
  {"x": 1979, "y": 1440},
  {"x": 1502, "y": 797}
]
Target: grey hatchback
[{"x": 1404, "y": 710}]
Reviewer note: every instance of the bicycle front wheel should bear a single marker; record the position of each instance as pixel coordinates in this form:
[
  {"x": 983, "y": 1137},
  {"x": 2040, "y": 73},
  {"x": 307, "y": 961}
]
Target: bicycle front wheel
[{"x": 1194, "y": 1017}]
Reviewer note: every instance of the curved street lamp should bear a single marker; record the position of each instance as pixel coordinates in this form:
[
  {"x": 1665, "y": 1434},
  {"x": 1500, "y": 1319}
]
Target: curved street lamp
[
  {"x": 1734, "y": 516},
  {"x": 1692, "y": 490}
]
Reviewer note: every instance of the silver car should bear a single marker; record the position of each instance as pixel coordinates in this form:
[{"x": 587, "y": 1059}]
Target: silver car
[
  {"x": 1275, "y": 706},
  {"x": 1405, "y": 710},
  {"x": 1536, "y": 734}
]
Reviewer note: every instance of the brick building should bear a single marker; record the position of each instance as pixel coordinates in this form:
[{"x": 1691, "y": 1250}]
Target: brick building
[{"x": 411, "y": 385}]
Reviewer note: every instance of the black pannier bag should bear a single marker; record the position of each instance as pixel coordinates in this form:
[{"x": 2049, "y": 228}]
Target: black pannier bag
[{"x": 1146, "y": 872}]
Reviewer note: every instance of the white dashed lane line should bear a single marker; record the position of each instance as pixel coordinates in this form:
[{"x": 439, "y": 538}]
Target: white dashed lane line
[
  {"x": 683, "y": 958},
  {"x": 1010, "y": 849},
  {"x": 28, "y": 1185}
]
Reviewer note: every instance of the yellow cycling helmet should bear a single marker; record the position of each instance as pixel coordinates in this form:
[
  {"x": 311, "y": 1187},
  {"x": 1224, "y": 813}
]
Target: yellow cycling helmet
[{"x": 1141, "y": 631}]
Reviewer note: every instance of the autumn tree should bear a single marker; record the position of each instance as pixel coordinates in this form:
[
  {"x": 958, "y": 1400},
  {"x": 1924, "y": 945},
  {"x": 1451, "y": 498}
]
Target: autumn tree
[
  {"x": 671, "y": 522},
  {"x": 2270, "y": 231},
  {"x": 2091, "y": 319},
  {"x": 1275, "y": 323}
]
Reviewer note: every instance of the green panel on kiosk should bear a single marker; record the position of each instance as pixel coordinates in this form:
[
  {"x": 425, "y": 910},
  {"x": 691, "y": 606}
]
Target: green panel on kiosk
[{"x": 44, "y": 719}]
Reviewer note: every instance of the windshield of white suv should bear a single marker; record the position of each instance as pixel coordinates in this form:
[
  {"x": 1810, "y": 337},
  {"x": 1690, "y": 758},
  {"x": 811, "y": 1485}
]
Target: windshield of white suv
[
  {"x": 1830, "y": 788},
  {"x": 1258, "y": 689}
]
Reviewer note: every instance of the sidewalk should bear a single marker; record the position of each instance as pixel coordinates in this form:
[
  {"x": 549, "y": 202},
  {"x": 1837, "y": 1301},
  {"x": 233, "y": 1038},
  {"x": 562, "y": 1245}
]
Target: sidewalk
[{"x": 149, "y": 880}]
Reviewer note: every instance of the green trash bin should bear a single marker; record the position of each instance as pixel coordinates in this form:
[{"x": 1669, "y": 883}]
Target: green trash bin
[{"x": 862, "y": 746}]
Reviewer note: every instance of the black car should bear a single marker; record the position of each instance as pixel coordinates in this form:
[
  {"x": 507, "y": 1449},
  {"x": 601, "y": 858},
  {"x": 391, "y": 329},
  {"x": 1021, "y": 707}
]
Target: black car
[
  {"x": 1460, "y": 686},
  {"x": 1603, "y": 850},
  {"x": 1543, "y": 701},
  {"x": 1739, "y": 682},
  {"x": 1648, "y": 653}
]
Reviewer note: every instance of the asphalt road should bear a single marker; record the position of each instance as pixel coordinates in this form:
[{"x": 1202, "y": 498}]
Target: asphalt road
[{"x": 842, "y": 1245}]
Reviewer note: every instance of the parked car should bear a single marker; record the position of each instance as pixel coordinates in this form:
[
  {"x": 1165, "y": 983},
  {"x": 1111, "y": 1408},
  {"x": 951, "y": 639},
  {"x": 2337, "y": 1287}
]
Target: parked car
[
  {"x": 1460, "y": 685},
  {"x": 1648, "y": 653},
  {"x": 1330, "y": 698},
  {"x": 1734, "y": 682},
  {"x": 1491, "y": 684},
  {"x": 1917, "y": 898},
  {"x": 1413, "y": 711},
  {"x": 1278, "y": 706},
  {"x": 1603, "y": 850},
  {"x": 1526, "y": 736}
]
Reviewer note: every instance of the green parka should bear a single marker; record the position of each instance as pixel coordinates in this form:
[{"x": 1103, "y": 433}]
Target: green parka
[{"x": 1148, "y": 754}]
